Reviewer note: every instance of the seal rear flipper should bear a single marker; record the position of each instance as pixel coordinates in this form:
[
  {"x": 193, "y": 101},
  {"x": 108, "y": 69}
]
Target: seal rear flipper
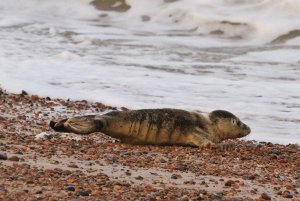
[
  {"x": 59, "y": 126},
  {"x": 85, "y": 124}
]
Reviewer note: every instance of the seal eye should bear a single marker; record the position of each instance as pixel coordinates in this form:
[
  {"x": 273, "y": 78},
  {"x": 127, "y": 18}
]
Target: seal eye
[{"x": 234, "y": 121}]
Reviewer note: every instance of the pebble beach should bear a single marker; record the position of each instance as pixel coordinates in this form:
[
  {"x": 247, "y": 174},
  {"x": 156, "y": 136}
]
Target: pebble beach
[{"x": 36, "y": 163}]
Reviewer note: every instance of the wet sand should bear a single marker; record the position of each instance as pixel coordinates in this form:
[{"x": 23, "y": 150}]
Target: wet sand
[{"x": 37, "y": 163}]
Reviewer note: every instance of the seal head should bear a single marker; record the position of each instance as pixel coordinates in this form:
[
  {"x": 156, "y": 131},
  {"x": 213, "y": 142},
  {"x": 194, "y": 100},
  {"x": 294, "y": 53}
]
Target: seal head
[{"x": 227, "y": 125}]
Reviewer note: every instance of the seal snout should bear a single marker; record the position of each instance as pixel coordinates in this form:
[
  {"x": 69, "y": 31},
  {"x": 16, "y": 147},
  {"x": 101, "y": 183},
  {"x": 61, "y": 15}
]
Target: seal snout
[{"x": 247, "y": 130}]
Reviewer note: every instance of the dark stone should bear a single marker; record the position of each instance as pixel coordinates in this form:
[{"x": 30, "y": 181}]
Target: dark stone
[
  {"x": 276, "y": 151},
  {"x": 191, "y": 182},
  {"x": 229, "y": 183},
  {"x": 251, "y": 177},
  {"x": 2, "y": 189},
  {"x": 3, "y": 156},
  {"x": 13, "y": 177},
  {"x": 39, "y": 192},
  {"x": 245, "y": 158},
  {"x": 176, "y": 176},
  {"x": 29, "y": 182},
  {"x": 82, "y": 193},
  {"x": 70, "y": 188},
  {"x": 24, "y": 93},
  {"x": 139, "y": 178},
  {"x": 265, "y": 196},
  {"x": 111, "y": 5},
  {"x": 287, "y": 194},
  {"x": 181, "y": 167}
]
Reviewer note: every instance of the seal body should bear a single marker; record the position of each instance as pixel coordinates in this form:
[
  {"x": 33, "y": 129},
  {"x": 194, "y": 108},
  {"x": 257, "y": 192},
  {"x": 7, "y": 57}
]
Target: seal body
[{"x": 159, "y": 126}]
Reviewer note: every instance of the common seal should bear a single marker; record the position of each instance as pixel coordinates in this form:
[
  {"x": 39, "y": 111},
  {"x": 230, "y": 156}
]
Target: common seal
[{"x": 159, "y": 126}]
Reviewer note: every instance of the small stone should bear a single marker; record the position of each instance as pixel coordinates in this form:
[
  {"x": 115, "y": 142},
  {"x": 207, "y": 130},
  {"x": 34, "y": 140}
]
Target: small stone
[
  {"x": 73, "y": 166},
  {"x": 229, "y": 183},
  {"x": 184, "y": 198},
  {"x": 244, "y": 158},
  {"x": 70, "y": 188},
  {"x": 251, "y": 177},
  {"x": 29, "y": 182},
  {"x": 191, "y": 182},
  {"x": 34, "y": 98},
  {"x": 2, "y": 190},
  {"x": 145, "y": 18},
  {"x": 138, "y": 188},
  {"x": 298, "y": 163},
  {"x": 181, "y": 167},
  {"x": 176, "y": 176},
  {"x": 124, "y": 108},
  {"x": 2, "y": 119},
  {"x": 217, "y": 196},
  {"x": 265, "y": 196},
  {"x": 14, "y": 158},
  {"x": 13, "y": 177},
  {"x": 117, "y": 187},
  {"x": 24, "y": 93},
  {"x": 39, "y": 192},
  {"x": 42, "y": 136},
  {"x": 238, "y": 199},
  {"x": 3, "y": 156},
  {"x": 139, "y": 178},
  {"x": 276, "y": 151},
  {"x": 287, "y": 194},
  {"x": 82, "y": 193}
]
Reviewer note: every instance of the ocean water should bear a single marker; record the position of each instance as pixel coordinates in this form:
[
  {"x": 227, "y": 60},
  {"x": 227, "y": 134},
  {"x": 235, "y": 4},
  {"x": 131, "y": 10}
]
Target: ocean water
[{"x": 238, "y": 55}]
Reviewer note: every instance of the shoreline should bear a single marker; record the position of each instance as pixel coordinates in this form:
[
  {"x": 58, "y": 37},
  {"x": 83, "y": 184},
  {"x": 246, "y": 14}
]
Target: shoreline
[{"x": 93, "y": 167}]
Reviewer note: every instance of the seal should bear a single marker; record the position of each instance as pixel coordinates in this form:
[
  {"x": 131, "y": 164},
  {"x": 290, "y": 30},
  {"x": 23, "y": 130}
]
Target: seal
[{"x": 159, "y": 127}]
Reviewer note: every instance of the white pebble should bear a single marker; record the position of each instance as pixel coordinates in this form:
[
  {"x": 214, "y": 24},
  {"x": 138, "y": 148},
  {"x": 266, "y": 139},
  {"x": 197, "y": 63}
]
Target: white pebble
[{"x": 42, "y": 136}]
